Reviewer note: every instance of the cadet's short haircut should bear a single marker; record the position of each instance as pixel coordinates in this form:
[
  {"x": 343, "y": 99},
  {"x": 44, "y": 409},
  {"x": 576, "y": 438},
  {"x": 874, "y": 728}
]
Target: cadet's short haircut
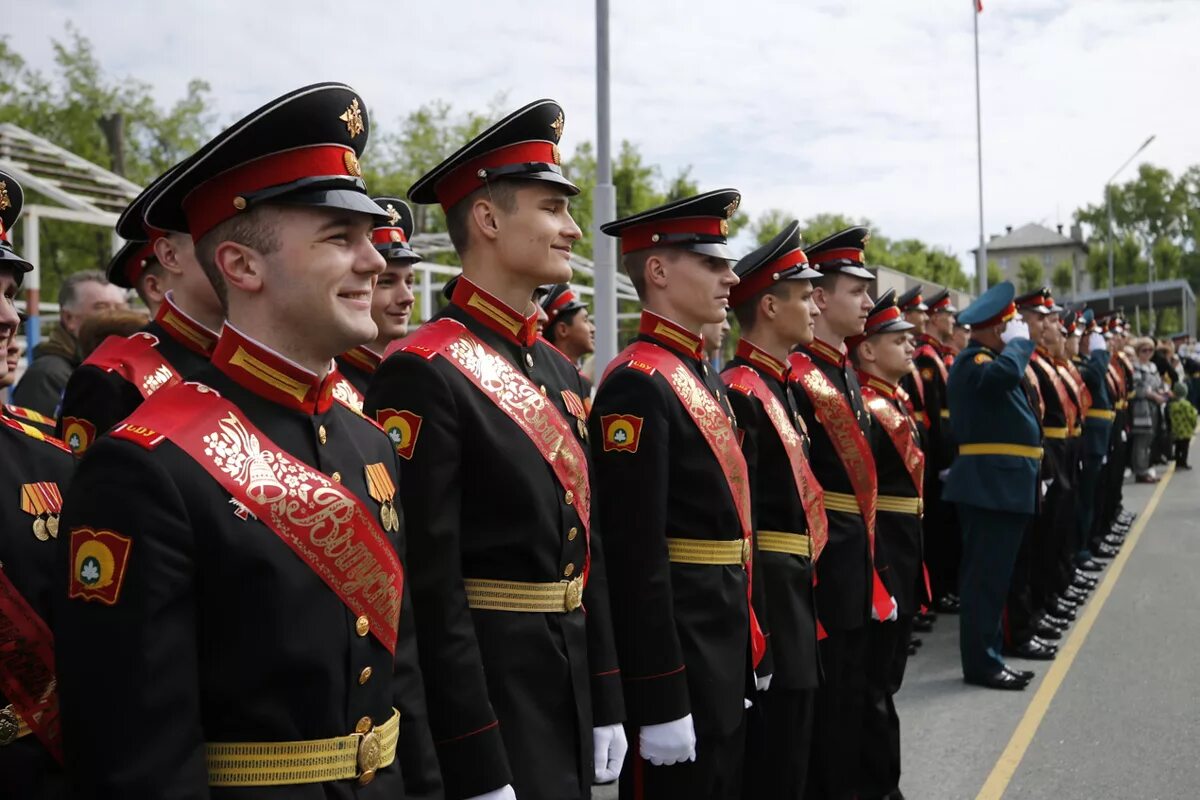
[
  {"x": 68, "y": 293},
  {"x": 153, "y": 269},
  {"x": 747, "y": 311},
  {"x": 565, "y": 318},
  {"x": 502, "y": 193},
  {"x": 634, "y": 265},
  {"x": 255, "y": 229}
]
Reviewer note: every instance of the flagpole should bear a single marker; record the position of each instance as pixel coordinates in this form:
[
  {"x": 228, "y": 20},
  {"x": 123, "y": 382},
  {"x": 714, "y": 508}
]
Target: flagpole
[{"x": 981, "y": 260}]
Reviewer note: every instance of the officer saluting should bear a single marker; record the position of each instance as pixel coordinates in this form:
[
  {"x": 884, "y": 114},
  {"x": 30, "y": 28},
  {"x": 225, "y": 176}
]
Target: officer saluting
[
  {"x": 994, "y": 480},
  {"x": 237, "y": 538},
  {"x": 34, "y": 473},
  {"x": 179, "y": 341},
  {"x": 773, "y": 304},
  {"x": 392, "y": 300},
  {"x": 673, "y": 506},
  {"x": 524, "y": 690}
]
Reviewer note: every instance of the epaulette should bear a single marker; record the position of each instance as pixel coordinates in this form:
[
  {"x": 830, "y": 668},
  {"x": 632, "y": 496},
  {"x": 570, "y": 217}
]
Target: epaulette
[
  {"x": 160, "y": 412},
  {"x": 640, "y": 366},
  {"x": 33, "y": 433}
]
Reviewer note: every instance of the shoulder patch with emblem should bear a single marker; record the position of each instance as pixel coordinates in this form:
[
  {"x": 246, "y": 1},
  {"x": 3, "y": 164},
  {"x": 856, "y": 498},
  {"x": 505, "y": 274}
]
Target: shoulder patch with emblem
[
  {"x": 98, "y": 561},
  {"x": 78, "y": 434},
  {"x": 622, "y": 432},
  {"x": 982, "y": 358},
  {"x": 402, "y": 427}
]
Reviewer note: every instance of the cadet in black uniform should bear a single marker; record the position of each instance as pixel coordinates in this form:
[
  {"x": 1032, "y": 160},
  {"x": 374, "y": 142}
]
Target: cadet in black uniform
[
  {"x": 673, "y": 506},
  {"x": 569, "y": 328},
  {"x": 121, "y": 373},
  {"x": 392, "y": 300},
  {"x": 883, "y": 354},
  {"x": 236, "y": 614},
  {"x": 849, "y": 592},
  {"x": 523, "y": 685},
  {"x": 34, "y": 472},
  {"x": 773, "y": 304}
]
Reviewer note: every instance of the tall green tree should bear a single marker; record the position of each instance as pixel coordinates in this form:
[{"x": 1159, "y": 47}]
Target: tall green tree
[{"x": 1030, "y": 274}]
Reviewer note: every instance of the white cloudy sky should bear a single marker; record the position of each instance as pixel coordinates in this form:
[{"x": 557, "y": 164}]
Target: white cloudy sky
[{"x": 864, "y": 107}]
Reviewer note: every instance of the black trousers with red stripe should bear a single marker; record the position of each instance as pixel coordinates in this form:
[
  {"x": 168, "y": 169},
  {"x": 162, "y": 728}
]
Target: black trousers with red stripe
[
  {"x": 716, "y": 774},
  {"x": 778, "y": 740},
  {"x": 837, "y": 736}
]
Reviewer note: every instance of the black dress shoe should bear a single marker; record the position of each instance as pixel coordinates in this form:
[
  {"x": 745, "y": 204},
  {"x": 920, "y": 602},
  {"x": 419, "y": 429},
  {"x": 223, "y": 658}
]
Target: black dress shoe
[
  {"x": 1034, "y": 649},
  {"x": 947, "y": 604},
  {"x": 1001, "y": 680},
  {"x": 1024, "y": 674},
  {"x": 1068, "y": 601},
  {"x": 1091, "y": 565},
  {"x": 1062, "y": 611},
  {"x": 1103, "y": 550},
  {"x": 1080, "y": 575},
  {"x": 1113, "y": 540},
  {"x": 912, "y": 649},
  {"x": 922, "y": 623},
  {"x": 1075, "y": 595},
  {"x": 1045, "y": 630},
  {"x": 1056, "y": 622}
]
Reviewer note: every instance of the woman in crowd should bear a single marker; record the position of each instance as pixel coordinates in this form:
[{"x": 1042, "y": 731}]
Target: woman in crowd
[{"x": 1146, "y": 409}]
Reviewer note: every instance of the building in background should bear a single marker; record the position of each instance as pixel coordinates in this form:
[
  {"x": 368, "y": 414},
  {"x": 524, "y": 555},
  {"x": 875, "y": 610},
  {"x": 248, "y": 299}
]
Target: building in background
[{"x": 1062, "y": 259}]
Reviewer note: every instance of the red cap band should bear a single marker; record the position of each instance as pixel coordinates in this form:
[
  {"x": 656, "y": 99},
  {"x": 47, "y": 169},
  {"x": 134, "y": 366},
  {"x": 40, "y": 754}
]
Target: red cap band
[
  {"x": 560, "y": 301},
  {"x": 943, "y": 303},
  {"x": 912, "y": 304},
  {"x": 135, "y": 265},
  {"x": 849, "y": 253},
  {"x": 465, "y": 179},
  {"x": 216, "y": 200},
  {"x": 1004, "y": 316},
  {"x": 643, "y": 237},
  {"x": 766, "y": 275},
  {"x": 388, "y": 236}
]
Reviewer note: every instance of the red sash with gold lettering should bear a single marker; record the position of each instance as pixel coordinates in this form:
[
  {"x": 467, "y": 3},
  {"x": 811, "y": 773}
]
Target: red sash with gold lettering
[
  {"x": 1082, "y": 393},
  {"x": 833, "y": 411},
  {"x": 136, "y": 359},
  {"x": 903, "y": 437},
  {"x": 721, "y": 439},
  {"x": 812, "y": 496},
  {"x": 27, "y": 666},
  {"x": 326, "y": 525},
  {"x": 1044, "y": 366},
  {"x": 520, "y": 400}
]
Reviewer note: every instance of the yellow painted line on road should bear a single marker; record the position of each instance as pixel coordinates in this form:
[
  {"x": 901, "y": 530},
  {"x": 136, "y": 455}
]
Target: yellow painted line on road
[{"x": 1006, "y": 766}]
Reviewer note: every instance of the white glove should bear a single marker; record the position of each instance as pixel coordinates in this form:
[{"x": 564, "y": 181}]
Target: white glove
[
  {"x": 763, "y": 683},
  {"x": 668, "y": 742},
  {"x": 944, "y": 474},
  {"x": 1095, "y": 343},
  {"x": 1045, "y": 488},
  {"x": 1015, "y": 329},
  {"x": 609, "y": 746},
  {"x": 892, "y": 617},
  {"x": 503, "y": 793}
]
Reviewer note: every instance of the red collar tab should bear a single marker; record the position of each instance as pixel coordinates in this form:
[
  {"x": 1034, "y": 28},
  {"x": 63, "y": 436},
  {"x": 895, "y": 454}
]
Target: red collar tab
[
  {"x": 223, "y": 197},
  {"x": 364, "y": 358},
  {"x": 840, "y": 254},
  {"x": 495, "y": 314},
  {"x": 878, "y": 384},
  {"x": 662, "y": 232},
  {"x": 474, "y": 174},
  {"x": 388, "y": 236},
  {"x": 762, "y": 277},
  {"x": 185, "y": 330},
  {"x": 827, "y": 352},
  {"x": 270, "y": 375},
  {"x": 749, "y": 351},
  {"x": 667, "y": 333},
  {"x": 1008, "y": 313}
]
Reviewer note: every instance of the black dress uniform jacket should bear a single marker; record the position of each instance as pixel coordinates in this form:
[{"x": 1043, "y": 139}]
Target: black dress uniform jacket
[
  {"x": 787, "y": 578},
  {"x": 513, "y": 696},
  {"x": 682, "y": 629},
  {"x": 220, "y": 632},
  {"x": 104, "y": 398},
  {"x": 844, "y": 577},
  {"x": 358, "y": 366},
  {"x": 27, "y": 770}
]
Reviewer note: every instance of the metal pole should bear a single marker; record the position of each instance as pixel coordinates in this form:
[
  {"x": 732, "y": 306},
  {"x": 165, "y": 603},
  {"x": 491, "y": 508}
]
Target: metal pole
[
  {"x": 31, "y": 244},
  {"x": 1112, "y": 302},
  {"x": 604, "y": 208},
  {"x": 981, "y": 262},
  {"x": 1150, "y": 289}
]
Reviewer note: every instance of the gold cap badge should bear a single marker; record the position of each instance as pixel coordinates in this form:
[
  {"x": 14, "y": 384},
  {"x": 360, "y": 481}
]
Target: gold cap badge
[
  {"x": 352, "y": 116},
  {"x": 5, "y": 203},
  {"x": 352, "y": 166},
  {"x": 732, "y": 207},
  {"x": 393, "y": 215},
  {"x": 557, "y": 125}
]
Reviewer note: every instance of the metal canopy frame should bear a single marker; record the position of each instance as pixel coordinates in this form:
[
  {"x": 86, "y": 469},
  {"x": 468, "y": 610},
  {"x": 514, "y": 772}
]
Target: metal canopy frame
[
  {"x": 1134, "y": 297},
  {"x": 87, "y": 193}
]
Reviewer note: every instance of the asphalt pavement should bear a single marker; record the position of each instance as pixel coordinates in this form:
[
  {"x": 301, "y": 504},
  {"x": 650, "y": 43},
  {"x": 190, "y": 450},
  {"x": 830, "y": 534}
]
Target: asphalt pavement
[{"x": 1116, "y": 716}]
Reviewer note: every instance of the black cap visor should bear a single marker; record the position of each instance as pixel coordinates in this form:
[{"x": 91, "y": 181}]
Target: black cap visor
[
  {"x": 398, "y": 252},
  {"x": 9, "y": 259}
]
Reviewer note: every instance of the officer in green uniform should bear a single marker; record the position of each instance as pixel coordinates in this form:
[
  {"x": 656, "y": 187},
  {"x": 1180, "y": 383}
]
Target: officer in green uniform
[{"x": 994, "y": 481}]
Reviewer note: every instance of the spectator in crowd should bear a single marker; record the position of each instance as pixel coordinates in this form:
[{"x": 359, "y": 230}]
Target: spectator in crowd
[
  {"x": 114, "y": 322},
  {"x": 82, "y": 295},
  {"x": 1146, "y": 408},
  {"x": 1182, "y": 415}
]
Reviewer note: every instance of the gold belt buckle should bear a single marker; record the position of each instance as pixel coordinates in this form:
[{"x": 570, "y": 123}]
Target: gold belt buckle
[
  {"x": 370, "y": 754},
  {"x": 10, "y": 726},
  {"x": 573, "y": 596}
]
